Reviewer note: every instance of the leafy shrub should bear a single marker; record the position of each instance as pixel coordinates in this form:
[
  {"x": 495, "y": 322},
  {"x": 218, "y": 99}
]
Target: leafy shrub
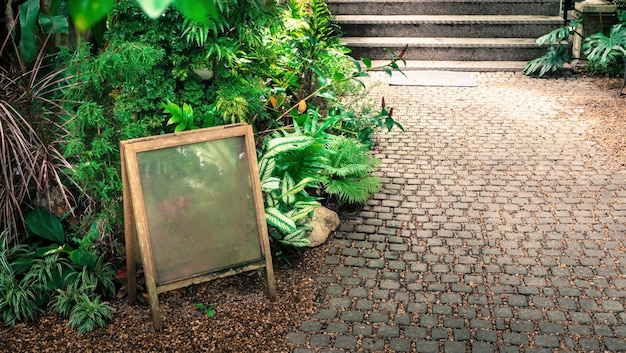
[
  {"x": 34, "y": 125},
  {"x": 348, "y": 175},
  {"x": 50, "y": 270},
  {"x": 557, "y": 52}
]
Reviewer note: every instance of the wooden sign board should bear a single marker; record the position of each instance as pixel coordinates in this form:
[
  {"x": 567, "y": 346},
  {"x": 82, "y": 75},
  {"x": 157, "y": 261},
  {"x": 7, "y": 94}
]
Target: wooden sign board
[{"x": 193, "y": 203}]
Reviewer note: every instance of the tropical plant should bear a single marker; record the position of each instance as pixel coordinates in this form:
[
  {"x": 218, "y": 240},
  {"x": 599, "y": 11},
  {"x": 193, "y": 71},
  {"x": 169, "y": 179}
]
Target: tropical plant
[
  {"x": 86, "y": 13},
  {"x": 50, "y": 270},
  {"x": 89, "y": 313},
  {"x": 18, "y": 298},
  {"x": 348, "y": 175},
  {"x": 604, "y": 50},
  {"x": 557, "y": 55},
  {"x": 288, "y": 205},
  {"x": 34, "y": 122}
]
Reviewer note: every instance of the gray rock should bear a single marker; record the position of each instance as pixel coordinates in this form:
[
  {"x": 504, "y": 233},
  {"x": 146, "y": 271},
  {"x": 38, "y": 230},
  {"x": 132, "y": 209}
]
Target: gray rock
[{"x": 324, "y": 221}]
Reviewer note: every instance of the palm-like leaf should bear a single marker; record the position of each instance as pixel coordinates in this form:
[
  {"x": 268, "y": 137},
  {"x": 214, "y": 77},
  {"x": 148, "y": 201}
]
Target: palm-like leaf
[
  {"x": 348, "y": 175},
  {"x": 603, "y": 49},
  {"x": 353, "y": 190},
  {"x": 560, "y": 34},
  {"x": 554, "y": 60}
]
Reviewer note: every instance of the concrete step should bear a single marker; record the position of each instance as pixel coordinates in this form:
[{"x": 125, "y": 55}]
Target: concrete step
[
  {"x": 470, "y": 66},
  {"x": 474, "y": 26},
  {"x": 446, "y": 49},
  {"x": 445, "y": 7}
]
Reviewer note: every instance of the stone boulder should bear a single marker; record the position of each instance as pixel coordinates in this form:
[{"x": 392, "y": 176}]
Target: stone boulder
[{"x": 324, "y": 221}]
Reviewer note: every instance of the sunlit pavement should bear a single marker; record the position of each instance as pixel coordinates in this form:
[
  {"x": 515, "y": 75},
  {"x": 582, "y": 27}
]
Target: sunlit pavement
[{"x": 500, "y": 227}]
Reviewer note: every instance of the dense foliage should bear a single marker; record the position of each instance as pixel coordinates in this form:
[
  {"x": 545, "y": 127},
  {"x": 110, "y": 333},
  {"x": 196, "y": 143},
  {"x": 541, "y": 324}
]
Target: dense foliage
[
  {"x": 606, "y": 53},
  {"x": 280, "y": 68}
]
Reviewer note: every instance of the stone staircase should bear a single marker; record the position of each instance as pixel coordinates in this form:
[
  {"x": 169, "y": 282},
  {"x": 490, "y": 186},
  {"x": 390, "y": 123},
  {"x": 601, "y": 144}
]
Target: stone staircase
[{"x": 462, "y": 35}]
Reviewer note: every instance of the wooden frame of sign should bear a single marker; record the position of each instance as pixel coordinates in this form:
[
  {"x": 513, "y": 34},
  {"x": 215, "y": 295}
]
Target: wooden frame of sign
[{"x": 193, "y": 203}]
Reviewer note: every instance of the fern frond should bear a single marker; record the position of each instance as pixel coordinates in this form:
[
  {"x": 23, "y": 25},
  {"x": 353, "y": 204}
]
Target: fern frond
[{"x": 352, "y": 190}]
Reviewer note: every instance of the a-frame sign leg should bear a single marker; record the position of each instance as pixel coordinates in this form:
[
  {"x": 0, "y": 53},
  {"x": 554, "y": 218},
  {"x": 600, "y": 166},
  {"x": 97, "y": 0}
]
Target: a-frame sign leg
[{"x": 130, "y": 235}]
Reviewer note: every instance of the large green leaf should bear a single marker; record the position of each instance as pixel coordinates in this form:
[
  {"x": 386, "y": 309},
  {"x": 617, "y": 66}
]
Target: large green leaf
[
  {"x": 297, "y": 238},
  {"x": 28, "y": 25},
  {"x": 198, "y": 11},
  {"x": 46, "y": 225},
  {"x": 53, "y": 24},
  {"x": 290, "y": 143},
  {"x": 86, "y": 13},
  {"x": 277, "y": 219},
  {"x": 81, "y": 257},
  {"x": 266, "y": 168},
  {"x": 603, "y": 49}
]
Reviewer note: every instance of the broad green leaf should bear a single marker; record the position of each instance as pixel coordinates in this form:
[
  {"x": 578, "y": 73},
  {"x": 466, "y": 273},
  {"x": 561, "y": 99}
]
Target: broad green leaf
[
  {"x": 270, "y": 184},
  {"x": 46, "y": 225},
  {"x": 327, "y": 95},
  {"x": 284, "y": 144},
  {"x": 28, "y": 25},
  {"x": 53, "y": 24},
  {"x": 266, "y": 168},
  {"x": 318, "y": 72},
  {"x": 81, "y": 257},
  {"x": 367, "y": 62},
  {"x": 287, "y": 186},
  {"x": 198, "y": 11},
  {"x": 86, "y": 13},
  {"x": 338, "y": 76},
  {"x": 276, "y": 219}
]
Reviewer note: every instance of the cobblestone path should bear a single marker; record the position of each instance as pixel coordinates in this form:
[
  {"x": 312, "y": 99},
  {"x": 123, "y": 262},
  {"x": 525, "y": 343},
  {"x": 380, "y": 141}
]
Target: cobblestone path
[{"x": 499, "y": 228}]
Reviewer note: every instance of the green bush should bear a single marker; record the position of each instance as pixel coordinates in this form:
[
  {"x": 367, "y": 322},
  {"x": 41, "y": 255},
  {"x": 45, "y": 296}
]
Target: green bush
[{"x": 52, "y": 270}]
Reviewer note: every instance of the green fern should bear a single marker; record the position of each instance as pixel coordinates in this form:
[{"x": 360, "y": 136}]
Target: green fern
[
  {"x": 321, "y": 22},
  {"x": 348, "y": 175},
  {"x": 353, "y": 190}
]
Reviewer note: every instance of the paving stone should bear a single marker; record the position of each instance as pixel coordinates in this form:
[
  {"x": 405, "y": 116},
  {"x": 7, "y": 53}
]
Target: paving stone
[
  {"x": 479, "y": 347},
  {"x": 310, "y": 326},
  {"x": 373, "y": 344},
  {"x": 296, "y": 337},
  {"x": 352, "y": 315},
  {"x": 615, "y": 344},
  {"x": 453, "y": 347},
  {"x": 337, "y": 327},
  {"x": 514, "y": 338},
  {"x": 415, "y": 332},
  {"x": 546, "y": 341},
  {"x": 320, "y": 340},
  {"x": 400, "y": 345},
  {"x": 589, "y": 344},
  {"x": 361, "y": 330},
  {"x": 499, "y": 227},
  {"x": 427, "y": 347}
]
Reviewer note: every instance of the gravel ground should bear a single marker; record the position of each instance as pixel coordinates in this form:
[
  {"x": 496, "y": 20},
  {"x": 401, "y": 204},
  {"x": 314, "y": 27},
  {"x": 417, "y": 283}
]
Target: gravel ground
[
  {"x": 608, "y": 119},
  {"x": 244, "y": 320}
]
